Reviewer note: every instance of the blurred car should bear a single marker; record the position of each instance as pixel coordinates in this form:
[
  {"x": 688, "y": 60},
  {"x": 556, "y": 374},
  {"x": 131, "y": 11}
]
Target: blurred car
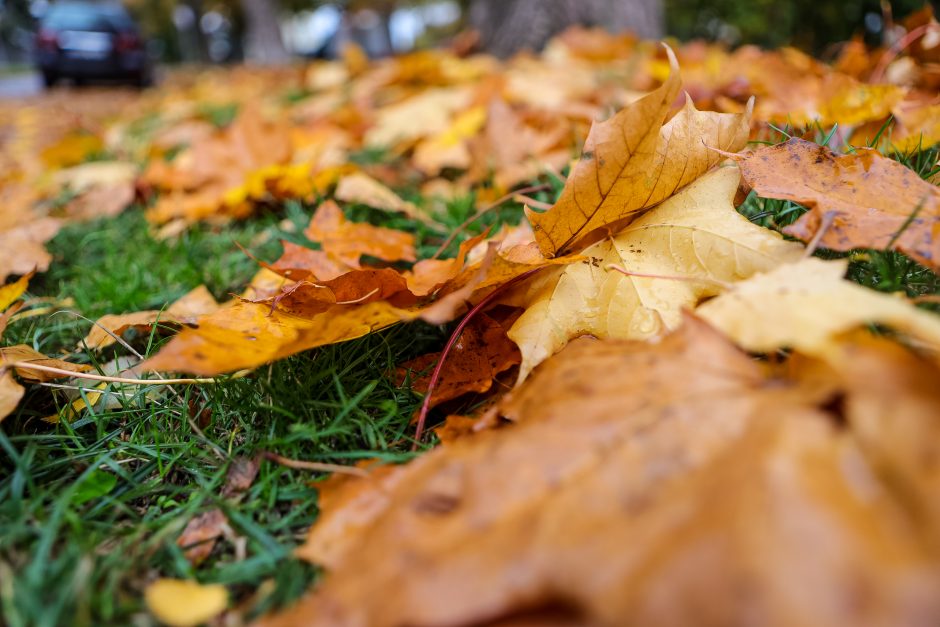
[{"x": 85, "y": 40}]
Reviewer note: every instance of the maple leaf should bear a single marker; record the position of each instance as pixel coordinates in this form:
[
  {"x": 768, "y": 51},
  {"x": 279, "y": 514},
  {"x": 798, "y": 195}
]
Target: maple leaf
[
  {"x": 15, "y": 358},
  {"x": 423, "y": 115},
  {"x": 349, "y": 241},
  {"x": 101, "y": 189},
  {"x": 858, "y": 200},
  {"x": 10, "y": 391},
  {"x": 186, "y": 310},
  {"x": 631, "y": 162},
  {"x": 807, "y": 305},
  {"x": 20, "y": 355},
  {"x": 304, "y": 315},
  {"x": 22, "y": 246},
  {"x": 482, "y": 352},
  {"x": 201, "y": 532},
  {"x": 695, "y": 241},
  {"x": 647, "y": 481},
  {"x": 216, "y": 165},
  {"x": 365, "y": 190}
]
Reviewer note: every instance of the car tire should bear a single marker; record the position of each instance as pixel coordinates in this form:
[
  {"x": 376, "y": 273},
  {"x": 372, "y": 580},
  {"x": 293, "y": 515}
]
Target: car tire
[
  {"x": 49, "y": 79},
  {"x": 143, "y": 80}
]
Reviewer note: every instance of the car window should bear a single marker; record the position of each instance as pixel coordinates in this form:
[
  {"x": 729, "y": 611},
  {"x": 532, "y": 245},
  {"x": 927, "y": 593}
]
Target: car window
[{"x": 81, "y": 16}]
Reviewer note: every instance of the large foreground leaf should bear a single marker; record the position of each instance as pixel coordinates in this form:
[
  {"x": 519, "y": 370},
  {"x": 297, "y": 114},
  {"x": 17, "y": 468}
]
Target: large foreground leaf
[{"x": 650, "y": 484}]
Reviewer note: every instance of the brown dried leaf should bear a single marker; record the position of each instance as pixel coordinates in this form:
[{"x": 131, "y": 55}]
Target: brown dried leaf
[
  {"x": 872, "y": 201},
  {"x": 186, "y": 310},
  {"x": 482, "y": 352},
  {"x": 10, "y": 393},
  {"x": 645, "y": 498},
  {"x": 22, "y": 353},
  {"x": 363, "y": 189},
  {"x": 632, "y": 161},
  {"x": 348, "y": 241},
  {"x": 22, "y": 246}
]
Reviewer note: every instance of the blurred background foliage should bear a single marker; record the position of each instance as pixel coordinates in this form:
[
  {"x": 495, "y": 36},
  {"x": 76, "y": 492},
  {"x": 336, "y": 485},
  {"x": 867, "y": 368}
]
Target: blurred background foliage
[
  {"x": 216, "y": 30},
  {"x": 812, "y": 25}
]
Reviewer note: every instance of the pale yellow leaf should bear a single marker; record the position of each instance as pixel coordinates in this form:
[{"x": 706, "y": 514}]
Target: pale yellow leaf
[
  {"x": 363, "y": 189},
  {"x": 696, "y": 237},
  {"x": 185, "y": 603},
  {"x": 807, "y": 305}
]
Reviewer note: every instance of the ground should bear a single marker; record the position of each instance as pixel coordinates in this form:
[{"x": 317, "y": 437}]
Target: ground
[{"x": 83, "y": 543}]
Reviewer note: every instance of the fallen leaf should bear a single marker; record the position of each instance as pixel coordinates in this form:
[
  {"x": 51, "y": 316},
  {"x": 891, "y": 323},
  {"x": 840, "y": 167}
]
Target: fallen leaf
[
  {"x": 200, "y": 535},
  {"x": 364, "y": 190},
  {"x": 185, "y": 603},
  {"x": 7, "y": 315},
  {"x": 201, "y": 532},
  {"x": 348, "y": 241},
  {"x": 299, "y": 263},
  {"x": 449, "y": 149},
  {"x": 23, "y": 247},
  {"x": 632, "y": 161},
  {"x": 891, "y": 404},
  {"x": 246, "y": 335},
  {"x": 10, "y": 393},
  {"x": 186, "y": 310},
  {"x": 424, "y": 114},
  {"x": 695, "y": 241},
  {"x": 21, "y": 353},
  {"x": 81, "y": 178},
  {"x": 648, "y": 481},
  {"x": 240, "y": 475},
  {"x": 12, "y": 291},
  {"x": 194, "y": 303},
  {"x": 807, "y": 306},
  {"x": 871, "y": 201},
  {"x": 100, "y": 202},
  {"x": 482, "y": 352}
]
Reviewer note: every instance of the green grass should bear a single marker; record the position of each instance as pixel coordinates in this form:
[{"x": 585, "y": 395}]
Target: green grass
[{"x": 90, "y": 510}]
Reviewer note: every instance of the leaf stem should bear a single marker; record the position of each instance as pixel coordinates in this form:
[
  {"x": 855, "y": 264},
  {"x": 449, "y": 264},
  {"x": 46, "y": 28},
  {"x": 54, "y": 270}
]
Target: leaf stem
[
  {"x": 97, "y": 377},
  {"x": 671, "y": 277},
  {"x": 315, "y": 466}
]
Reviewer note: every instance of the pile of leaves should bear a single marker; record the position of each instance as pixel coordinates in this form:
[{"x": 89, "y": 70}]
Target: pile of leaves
[{"x": 667, "y": 412}]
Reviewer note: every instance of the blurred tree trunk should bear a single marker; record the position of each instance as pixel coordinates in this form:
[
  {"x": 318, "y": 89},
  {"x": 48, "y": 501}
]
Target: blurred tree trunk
[
  {"x": 507, "y": 26},
  {"x": 264, "y": 44},
  {"x": 195, "y": 39}
]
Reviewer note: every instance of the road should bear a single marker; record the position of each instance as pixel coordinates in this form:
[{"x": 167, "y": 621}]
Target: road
[{"x": 20, "y": 85}]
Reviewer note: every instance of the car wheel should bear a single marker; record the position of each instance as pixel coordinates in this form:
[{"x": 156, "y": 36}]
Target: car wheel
[
  {"x": 143, "y": 79},
  {"x": 49, "y": 79}
]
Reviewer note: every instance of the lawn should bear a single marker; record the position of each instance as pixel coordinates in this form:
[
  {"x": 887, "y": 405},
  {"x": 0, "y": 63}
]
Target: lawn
[
  {"x": 98, "y": 480},
  {"x": 90, "y": 509}
]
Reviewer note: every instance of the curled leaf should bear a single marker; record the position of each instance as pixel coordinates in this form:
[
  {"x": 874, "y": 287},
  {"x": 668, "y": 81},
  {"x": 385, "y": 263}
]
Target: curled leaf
[{"x": 632, "y": 162}]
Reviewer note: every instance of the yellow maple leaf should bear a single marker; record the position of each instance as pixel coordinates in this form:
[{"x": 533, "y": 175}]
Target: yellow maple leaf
[
  {"x": 806, "y": 306},
  {"x": 632, "y": 161},
  {"x": 687, "y": 248}
]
